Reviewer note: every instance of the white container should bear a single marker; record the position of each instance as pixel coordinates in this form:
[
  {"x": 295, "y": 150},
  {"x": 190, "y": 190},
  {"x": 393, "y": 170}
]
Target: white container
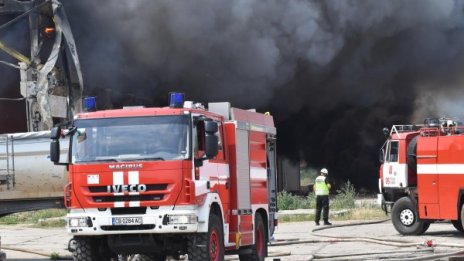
[{"x": 25, "y": 160}]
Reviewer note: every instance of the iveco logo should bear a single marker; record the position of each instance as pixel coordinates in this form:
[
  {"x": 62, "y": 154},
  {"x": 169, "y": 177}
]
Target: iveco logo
[
  {"x": 126, "y": 188},
  {"x": 126, "y": 166}
]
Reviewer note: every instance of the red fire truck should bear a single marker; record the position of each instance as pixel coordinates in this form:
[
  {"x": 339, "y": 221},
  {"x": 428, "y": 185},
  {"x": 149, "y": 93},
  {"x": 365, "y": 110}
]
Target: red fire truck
[
  {"x": 422, "y": 175},
  {"x": 170, "y": 181}
]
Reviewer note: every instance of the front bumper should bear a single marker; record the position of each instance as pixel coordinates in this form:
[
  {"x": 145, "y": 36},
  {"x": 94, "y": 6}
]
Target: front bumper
[{"x": 154, "y": 221}]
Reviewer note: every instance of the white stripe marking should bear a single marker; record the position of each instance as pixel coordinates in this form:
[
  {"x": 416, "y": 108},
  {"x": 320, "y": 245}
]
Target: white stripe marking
[
  {"x": 118, "y": 178},
  {"x": 433, "y": 169},
  {"x": 133, "y": 177},
  {"x": 134, "y": 180},
  {"x": 134, "y": 204},
  {"x": 258, "y": 173},
  {"x": 119, "y": 204}
]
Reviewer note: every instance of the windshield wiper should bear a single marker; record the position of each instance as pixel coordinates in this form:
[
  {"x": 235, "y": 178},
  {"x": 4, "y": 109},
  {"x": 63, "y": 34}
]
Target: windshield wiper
[
  {"x": 154, "y": 158},
  {"x": 98, "y": 160},
  {"x": 144, "y": 158}
]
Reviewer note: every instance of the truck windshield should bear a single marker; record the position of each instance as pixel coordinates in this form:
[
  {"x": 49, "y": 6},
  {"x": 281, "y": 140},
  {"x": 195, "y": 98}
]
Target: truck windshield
[{"x": 131, "y": 139}]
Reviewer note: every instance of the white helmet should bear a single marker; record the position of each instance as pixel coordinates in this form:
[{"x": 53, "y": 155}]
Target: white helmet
[{"x": 324, "y": 171}]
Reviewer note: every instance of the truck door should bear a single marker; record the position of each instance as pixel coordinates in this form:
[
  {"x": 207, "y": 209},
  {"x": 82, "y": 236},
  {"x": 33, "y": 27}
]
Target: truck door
[{"x": 391, "y": 168}]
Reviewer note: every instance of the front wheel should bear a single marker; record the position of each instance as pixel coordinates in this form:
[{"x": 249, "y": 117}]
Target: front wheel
[
  {"x": 259, "y": 249},
  {"x": 208, "y": 246},
  {"x": 425, "y": 227},
  {"x": 84, "y": 249},
  {"x": 406, "y": 219}
]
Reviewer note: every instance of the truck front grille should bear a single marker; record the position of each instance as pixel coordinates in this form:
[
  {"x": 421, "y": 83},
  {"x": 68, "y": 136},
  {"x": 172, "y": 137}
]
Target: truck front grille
[
  {"x": 129, "y": 211},
  {"x": 150, "y": 187},
  {"x": 120, "y": 228},
  {"x": 112, "y": 198}
]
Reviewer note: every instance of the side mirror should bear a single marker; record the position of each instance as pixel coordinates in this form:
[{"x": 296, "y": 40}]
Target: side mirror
[
  {"x": 211, "y": 146},
  {"x": 211, "y": 140},
  {"x": 211, "y": 127},
  {"x": 55, "y": 133},
  {"x": 381, "y": 156},
  {"x": 55, "y": 151}
]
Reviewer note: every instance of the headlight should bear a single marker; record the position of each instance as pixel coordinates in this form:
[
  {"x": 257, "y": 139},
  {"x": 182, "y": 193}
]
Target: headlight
[
  {"x": 80, "y": 222},
  {"x": 180, "y": 219}
]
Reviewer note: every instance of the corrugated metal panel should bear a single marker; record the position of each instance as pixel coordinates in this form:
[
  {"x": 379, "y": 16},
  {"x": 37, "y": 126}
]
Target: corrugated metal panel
[{"x": 243, "y": 170}]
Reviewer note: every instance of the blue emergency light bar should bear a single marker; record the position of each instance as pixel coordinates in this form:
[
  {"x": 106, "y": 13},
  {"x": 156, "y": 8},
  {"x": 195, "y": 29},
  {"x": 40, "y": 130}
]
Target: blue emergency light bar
[
  {"x": 176, "y": 100},
  {"x": 89, "y": 104}
]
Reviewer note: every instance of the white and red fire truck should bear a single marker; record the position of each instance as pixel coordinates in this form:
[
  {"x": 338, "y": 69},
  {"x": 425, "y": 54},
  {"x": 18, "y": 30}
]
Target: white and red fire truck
[
  {"x": 422, "y": 175},
  {"x": 170, "y": 181}
]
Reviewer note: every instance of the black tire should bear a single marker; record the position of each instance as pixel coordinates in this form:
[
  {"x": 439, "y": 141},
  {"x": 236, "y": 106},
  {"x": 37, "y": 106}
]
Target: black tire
[
  {"x": 259, "y": 249},
  {"x": 458, "y": 225},
  {"x": 405, "y": 217},
  {"x": 425, "y": 227},
  {"x": 461, "y": 214},
  {"x": 85, "y": 249},
  {"x": 208, "y": 246}
]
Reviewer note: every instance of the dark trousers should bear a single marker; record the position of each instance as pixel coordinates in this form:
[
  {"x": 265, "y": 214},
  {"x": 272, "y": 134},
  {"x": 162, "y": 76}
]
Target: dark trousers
[{"x": 322, "y": 204}]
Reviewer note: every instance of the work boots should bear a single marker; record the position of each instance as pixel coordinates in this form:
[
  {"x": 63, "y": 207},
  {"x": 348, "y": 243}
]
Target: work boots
[{"x": 327, "y": 223}]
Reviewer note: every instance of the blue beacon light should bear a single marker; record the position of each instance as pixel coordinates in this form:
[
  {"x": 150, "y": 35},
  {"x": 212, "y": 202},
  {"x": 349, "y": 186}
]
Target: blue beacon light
[
  {"x": 176, "y": 100},
  {"x": 89, "y": 104}
]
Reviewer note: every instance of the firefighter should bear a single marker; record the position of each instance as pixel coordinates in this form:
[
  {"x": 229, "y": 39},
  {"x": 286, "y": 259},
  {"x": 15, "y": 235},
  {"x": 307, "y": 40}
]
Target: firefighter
[{"x": 321, "y": 188}]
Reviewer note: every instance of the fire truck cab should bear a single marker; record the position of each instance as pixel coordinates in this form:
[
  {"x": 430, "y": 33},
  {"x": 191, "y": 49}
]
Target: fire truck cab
[
  {"x": 170, "y": 181},
  {"x": 422, "y": 175}
]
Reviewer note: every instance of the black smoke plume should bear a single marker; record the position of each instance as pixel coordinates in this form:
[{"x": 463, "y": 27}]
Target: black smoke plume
[{"x": 332, "y": 73}]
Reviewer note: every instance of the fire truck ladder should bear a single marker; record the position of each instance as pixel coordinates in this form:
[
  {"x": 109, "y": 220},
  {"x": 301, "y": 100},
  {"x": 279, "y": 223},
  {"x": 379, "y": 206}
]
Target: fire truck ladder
[{"x": 7, "y": 172}]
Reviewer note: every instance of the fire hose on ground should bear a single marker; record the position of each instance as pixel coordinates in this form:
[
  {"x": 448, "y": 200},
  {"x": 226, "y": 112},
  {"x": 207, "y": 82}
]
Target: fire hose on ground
[
  {"x": 4, "y": 247},
  {"x": 357, "y": 256}
]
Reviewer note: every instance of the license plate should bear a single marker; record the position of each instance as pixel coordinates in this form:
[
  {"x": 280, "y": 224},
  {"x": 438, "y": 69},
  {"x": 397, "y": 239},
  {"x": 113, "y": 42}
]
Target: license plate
[{"x": 127, "y": 221}]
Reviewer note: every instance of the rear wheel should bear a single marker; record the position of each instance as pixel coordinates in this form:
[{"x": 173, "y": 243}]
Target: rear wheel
[
  {"x": 208, "y": 246},
  {"x": 259, "y": 250},
  {"x": 406, "y": 219}
]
